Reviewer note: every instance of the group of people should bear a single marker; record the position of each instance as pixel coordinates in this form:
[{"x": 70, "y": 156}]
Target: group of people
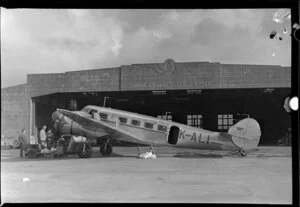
[{"x": 45, "y": 139}]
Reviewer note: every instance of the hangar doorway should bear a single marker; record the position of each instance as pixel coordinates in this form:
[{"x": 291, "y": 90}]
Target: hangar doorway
[{"x": 216, "y": 110}]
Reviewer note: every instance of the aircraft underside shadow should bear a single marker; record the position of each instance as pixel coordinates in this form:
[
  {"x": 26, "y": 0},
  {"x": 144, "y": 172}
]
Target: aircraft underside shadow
[{"x": 197, "y": 155}]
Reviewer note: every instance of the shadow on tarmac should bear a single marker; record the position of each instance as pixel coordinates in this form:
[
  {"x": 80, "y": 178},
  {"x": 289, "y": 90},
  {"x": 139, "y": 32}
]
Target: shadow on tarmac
[
  {"x": 13, "y": 155},
  {"x": 196, "y": 155},
  {"x": 69, "y": 157},
  {"x": 114, "y": 155}
]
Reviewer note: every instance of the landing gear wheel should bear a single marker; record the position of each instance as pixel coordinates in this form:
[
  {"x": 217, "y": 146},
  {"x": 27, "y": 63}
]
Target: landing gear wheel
[
  {"x": 106, "y": 149},
  {"x": 84, "y": 150}
]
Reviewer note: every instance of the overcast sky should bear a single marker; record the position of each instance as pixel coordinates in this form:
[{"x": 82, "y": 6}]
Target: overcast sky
[{"x": 59, "y": 40}]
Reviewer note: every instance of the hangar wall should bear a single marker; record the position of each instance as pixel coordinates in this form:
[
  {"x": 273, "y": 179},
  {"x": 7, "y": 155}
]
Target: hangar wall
[
  {"x": 14, "y": 110},
  {"x": 161, "y": 76},
  {"x": 202, "y": 75},
  {"x": 75, "y": 81}
]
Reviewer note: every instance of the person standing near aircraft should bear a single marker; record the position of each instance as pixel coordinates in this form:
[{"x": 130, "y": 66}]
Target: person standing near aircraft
[
  {"x": 49, "y": 138},
  {"x": 22, "y": 139},
  {"x": 43, "y": 136}
]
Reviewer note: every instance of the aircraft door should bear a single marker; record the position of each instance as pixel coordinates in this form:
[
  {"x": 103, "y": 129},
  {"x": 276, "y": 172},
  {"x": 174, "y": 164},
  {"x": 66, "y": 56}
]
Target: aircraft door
[{"x": 173, "y": 135}]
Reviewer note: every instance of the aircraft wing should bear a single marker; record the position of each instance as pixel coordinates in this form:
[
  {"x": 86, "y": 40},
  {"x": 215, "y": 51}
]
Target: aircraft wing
[{"x": 96, "y": 125}]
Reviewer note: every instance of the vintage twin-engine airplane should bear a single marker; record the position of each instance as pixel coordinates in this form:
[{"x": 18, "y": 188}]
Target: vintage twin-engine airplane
[{"x": 111, "y": 124}]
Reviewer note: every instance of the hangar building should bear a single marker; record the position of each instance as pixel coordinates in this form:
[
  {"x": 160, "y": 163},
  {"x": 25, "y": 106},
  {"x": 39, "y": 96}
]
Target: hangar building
[{"x": 203, "y": 94}]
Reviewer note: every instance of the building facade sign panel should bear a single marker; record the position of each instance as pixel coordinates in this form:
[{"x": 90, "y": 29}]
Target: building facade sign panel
[
  {"x": 169, "y": 76},
  {"x": 202, "y": 75}
]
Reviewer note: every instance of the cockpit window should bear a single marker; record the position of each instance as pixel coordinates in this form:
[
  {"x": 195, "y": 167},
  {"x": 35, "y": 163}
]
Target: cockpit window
[
  {"x": 92, "y": 111},
  {"x": 85, "y": 109},
  {"x": 103, "y": 116}
]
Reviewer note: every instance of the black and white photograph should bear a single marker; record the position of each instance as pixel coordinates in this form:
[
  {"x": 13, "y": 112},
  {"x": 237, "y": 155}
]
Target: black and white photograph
[{"x": 146, "y": 105}]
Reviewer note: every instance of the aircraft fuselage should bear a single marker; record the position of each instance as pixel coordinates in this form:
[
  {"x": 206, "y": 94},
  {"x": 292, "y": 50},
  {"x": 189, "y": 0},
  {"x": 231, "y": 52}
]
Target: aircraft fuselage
[{"x": 148, "y": 130}]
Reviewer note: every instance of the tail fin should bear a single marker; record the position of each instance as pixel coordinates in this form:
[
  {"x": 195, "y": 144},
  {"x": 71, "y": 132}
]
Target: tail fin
[{"x": 246, "y": 133}]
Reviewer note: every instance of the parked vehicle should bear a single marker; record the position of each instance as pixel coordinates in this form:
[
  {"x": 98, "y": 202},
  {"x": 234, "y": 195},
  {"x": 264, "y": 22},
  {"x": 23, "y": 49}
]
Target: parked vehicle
[{"x": 9, "y": 143}]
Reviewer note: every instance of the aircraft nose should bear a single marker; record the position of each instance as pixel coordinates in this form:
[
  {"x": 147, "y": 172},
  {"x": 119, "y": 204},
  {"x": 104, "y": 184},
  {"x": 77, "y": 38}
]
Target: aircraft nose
[{"x": 56, "y": 115}]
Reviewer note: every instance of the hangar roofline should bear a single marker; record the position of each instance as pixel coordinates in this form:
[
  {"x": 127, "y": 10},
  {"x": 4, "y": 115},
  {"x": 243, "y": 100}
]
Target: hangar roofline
[
  {"x": 15, "y": 86},
  {"x": 62, "y": 79},
  {"x": 149, "y": 64}
]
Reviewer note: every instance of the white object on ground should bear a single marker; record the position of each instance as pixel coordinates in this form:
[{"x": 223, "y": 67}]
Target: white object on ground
[
  {"x": 26, "y": 180},
  {"x": 147, "y": 155},
  {"x": 45, "y": 151},
  {"x": 79, "y": 138}
]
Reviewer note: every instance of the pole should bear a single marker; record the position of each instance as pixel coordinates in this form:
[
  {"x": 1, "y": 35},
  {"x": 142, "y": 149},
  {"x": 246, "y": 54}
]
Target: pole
[
  {"x": 105, "y": 100},
  {"x": 30, "y": 117},
  {"x": 139, "y": 149},
  {"x": 167, "y": 114}
]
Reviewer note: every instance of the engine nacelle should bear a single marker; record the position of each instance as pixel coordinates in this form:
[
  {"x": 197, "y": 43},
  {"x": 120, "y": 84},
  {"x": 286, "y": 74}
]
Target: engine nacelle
[{"x": 65, "y": 125}]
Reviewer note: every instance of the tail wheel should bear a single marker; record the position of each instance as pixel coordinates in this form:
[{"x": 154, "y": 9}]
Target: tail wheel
[
  {"x": 84, "y": 150},
  {"x": 106, "y": 149},
  {"x": 242, "y": 153}
]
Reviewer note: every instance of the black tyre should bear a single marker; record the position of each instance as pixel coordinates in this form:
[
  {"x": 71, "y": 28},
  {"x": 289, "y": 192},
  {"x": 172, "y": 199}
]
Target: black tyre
[
  {"x": 242, "y": 153},
  {"x": 84, "y": 150},
  {"x": 106, "y": 149}
]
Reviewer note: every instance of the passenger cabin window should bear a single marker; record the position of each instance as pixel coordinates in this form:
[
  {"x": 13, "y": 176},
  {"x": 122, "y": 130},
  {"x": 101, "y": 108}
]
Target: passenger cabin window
[
  {"x": 225, "y": 121},
  {"x": 161, "y": 128},
  {"x": 135, "y": 122},
  {"x": 148, "y": 125},
  {"x": 123, "y": 120},
  {"x": 103, "y": 116}
]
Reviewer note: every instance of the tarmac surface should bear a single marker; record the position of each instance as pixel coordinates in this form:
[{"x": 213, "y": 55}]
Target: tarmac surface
[{"x": 177, "y": 175}]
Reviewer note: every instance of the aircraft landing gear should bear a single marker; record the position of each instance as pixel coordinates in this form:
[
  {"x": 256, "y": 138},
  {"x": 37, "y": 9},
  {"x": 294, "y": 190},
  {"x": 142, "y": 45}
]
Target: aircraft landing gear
[
  {"x": 106, "y": 149},
  {"x": 84, "y": 150},
  {"x": 152, "y": 150}
]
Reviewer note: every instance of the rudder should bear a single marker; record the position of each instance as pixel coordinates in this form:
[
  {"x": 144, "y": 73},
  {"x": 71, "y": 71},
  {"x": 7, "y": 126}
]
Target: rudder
[{"x": 246, "y": 133}]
